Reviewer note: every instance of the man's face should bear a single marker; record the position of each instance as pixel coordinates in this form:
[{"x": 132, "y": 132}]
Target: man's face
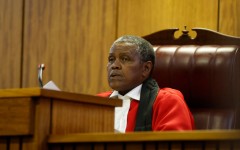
[{"x": 125, "y": 69}]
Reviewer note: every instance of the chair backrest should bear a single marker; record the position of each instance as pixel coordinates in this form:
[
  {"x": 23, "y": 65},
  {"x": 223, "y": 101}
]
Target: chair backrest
[{"x": 206, "y": 69}]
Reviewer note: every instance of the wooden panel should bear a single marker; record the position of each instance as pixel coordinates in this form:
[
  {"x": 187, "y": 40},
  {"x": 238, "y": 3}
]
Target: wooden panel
[
  {"x": 15, "y": 143},
  {"x": 150, "y": 146},
  {"x": 85, "y": 146},
  {"x": 141, "y": 17},
  {"x": 87, "y": 117},
  {"x": 229, "y": 20},
  {"x": 72, "y": 38},
  {"x": 10, "y": 42},
  {"x": 3, "y": 143},
  {"x": 193, "y": 145},
  {"x": 145, "y": 145},
  {"x": 19, "y": 92},
  {"x": 16, "y": 116},
  {"x": 29, "y": 115},
  {"x": 67, "y": 96},
  {"x": 134, "y": 145},
  {"x": 163, "y": 146},
  {"x": 167, "y": 140},
  {"x": 197, "y": 135},
  {"x": 115, "y": 146},
  {"x": 41, "y": 126},
  {"x": 99, "y": 146}
]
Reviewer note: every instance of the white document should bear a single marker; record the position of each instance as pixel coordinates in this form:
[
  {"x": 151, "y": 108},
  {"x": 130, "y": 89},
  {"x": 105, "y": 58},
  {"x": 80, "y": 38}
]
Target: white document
[{"x": 51, "y": 86}]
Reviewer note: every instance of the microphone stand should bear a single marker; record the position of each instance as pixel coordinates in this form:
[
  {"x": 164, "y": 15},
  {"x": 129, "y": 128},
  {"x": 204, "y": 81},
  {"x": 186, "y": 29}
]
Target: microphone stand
[{"x": 41, "y": 67}]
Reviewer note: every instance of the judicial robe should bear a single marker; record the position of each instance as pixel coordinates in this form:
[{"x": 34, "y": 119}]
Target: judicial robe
[{"x": 167, "y": 111}]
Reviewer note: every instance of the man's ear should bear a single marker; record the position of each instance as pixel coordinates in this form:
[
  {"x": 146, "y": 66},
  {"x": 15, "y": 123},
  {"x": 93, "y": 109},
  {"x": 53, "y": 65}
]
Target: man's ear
[{"x": 147, "y": 67}]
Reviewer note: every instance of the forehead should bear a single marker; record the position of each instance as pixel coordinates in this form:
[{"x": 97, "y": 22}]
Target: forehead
[{"x": 124, "y": 47}]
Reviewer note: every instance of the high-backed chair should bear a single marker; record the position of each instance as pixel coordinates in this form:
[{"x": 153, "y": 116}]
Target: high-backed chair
[{"x": 206, "y": 69}]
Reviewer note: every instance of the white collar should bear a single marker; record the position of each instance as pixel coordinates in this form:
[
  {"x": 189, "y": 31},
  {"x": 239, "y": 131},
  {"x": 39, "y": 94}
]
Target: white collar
[{"x": 134, "y": 93}]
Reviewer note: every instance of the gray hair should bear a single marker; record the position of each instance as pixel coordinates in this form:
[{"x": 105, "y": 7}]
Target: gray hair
[{"x": 145, "y": 49}]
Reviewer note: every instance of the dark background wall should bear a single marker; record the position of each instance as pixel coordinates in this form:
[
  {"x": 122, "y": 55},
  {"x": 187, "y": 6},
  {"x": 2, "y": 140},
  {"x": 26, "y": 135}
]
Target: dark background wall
[{"x": 72, "y": 37}]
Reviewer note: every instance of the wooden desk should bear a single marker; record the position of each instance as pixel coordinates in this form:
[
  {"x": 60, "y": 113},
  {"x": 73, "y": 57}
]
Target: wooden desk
[
  {"x": 167, "y": 140},
  {"x": 28, "y": 116}
]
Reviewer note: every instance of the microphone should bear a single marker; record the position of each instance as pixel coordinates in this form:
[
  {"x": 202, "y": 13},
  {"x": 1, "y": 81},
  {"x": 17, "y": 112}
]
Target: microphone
[{"x": 41, "y": 67}]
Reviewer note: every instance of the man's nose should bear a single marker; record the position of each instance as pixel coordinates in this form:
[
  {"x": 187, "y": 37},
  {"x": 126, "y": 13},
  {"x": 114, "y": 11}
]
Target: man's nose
[{"x": 116, "y": 64}]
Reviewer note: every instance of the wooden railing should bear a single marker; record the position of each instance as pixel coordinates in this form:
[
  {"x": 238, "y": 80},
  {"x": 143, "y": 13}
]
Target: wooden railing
[
  {"x": 29, "y": 116},
  {"x": 38, "y": 119},
  {"x": 166, "y": 140}
]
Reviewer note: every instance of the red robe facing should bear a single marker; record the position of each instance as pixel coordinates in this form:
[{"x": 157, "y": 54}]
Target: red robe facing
[{"x": 170, "y": 112}]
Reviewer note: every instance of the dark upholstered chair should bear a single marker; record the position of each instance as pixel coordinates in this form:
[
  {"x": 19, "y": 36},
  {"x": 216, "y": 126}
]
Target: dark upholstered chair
[{"x": 206, "y": 69}]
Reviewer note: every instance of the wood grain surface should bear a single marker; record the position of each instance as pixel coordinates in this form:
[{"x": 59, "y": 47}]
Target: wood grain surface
[
  {"x": 72, "y": 37},
  {"x": 142, "y": 17},
  {"x": 229, "y": 19},
  {"x": 10, "y": 43}
]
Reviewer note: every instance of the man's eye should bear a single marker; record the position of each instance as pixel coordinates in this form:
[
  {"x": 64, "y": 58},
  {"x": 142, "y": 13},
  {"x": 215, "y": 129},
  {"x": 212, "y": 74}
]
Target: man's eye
[
  {"x": 124, "y": 59},
  {"x": 111, "y": 59}
]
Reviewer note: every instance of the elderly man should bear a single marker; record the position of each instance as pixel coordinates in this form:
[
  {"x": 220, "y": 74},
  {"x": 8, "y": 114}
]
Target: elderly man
[{"x": 146, "y": 107}]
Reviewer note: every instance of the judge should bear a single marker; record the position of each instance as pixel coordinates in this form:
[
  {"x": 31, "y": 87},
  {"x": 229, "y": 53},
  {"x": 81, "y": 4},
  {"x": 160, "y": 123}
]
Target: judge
[{"x": 146, "y": 107}]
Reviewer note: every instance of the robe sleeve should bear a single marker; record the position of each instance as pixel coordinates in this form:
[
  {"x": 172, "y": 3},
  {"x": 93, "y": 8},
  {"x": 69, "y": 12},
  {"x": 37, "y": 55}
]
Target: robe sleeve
[
  {"x": 105, "y": 94},
  {"x": 170, "y": 112}
]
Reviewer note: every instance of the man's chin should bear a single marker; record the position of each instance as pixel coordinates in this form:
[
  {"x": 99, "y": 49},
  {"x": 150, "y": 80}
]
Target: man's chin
[
  {"x": 123, "y": 89},
  {"x": 117, "y": 86}
]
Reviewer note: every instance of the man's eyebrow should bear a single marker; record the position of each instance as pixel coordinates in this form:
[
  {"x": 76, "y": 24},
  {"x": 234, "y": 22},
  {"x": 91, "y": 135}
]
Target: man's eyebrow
[
  {"x": 127, "y": 52},
  {"x": 121, "y": 53}
]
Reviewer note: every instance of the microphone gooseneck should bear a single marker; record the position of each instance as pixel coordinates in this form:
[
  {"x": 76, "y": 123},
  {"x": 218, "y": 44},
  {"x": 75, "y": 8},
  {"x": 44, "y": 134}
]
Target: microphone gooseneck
[{"x": 41, "y": 67}]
